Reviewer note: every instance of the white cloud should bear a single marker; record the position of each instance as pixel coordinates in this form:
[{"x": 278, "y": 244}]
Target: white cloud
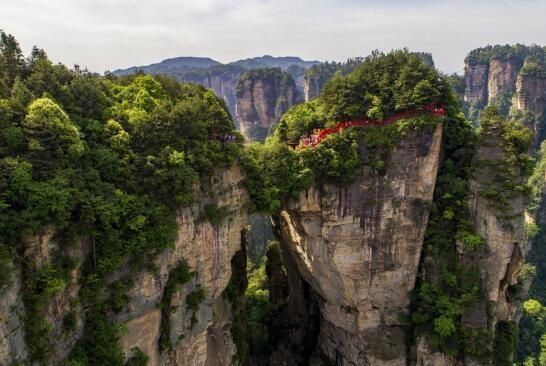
[{"x": 106, "y": 34}]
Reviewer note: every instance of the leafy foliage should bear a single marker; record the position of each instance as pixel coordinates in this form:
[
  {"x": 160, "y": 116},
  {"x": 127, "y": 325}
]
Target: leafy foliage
[
  {"x": 444, "y": 297},
  {"x": 517, "y": 52},
  {"x": 5, "y": 267},
  {"x": 379, "y": 87},
  {"x": 399, "y": 80},
  {"x": 267, "y": 322},
  {"x": 505, "y": 345},
  {"x": 107, "y": 158},
  {"x": 532, "y": 330},
  {"x": 214, "y": 214},
  {"x": 454, "y": 283},
  {"x": 506, "y": 175},
  {"x": 193, "y": 300},
  {"x": 100, "y": 343}
]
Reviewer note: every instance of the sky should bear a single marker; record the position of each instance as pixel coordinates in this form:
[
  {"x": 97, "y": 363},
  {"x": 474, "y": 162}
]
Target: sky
[{"x": 110, "y": 34}]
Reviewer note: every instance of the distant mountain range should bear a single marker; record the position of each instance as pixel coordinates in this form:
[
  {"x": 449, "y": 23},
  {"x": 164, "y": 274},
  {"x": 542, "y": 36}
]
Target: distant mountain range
[
  {"x": 181, "y": 65},
  {"x": 171, "y": 65}
]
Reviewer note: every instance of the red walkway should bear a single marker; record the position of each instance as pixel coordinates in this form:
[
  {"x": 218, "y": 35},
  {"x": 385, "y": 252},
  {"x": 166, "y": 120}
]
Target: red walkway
[{"x": 311, "y": 140}]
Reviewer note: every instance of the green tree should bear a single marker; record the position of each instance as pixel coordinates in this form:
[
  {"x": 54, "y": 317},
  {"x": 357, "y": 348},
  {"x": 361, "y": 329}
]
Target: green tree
[
  {"x": 11, "y": 62},
  {"x": 50, "y": 133}
]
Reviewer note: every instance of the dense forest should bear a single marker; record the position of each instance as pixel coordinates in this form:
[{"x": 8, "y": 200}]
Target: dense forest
[
  {"x": 531, "y": 57},
  {"x": 111, "y": 158}
]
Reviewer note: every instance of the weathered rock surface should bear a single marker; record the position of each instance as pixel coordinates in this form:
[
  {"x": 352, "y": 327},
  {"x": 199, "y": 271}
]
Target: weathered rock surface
[
  {"x": 208, "y": 250},
  {"x": 530, "y": 97},
  {"x": 502, "y": 77},
  {"x": 202, "y": 338},
  {"x": 263, "y": 96},
  {"x": 224, "y": 84},
  {"x": 13, "y": 348},
  {"x": 359, "y": 249},
  {"x": 42, "y": 247},
  {"x": 311, "y": 88},
  {"x": 476, "y": 84},
  {"x": 143, "y": 333},
  {"x": 428, "y": 356},
  {"x": 501, "y": 82},
  {"x": 499, "y": 262}
]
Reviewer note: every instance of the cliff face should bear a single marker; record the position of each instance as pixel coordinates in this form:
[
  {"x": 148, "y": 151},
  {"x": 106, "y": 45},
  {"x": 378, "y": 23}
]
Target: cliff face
[
  {"x": 499, "y": 260},
  {"x": 311, "y": 88},
  {"x": 12, "y": 332},
  {"x": 359, "y": 247},
  {"x": 263, "y": 96},
  {"x": 476, "y": 84},
  {"x": 486, "y": 81},
  {"x": 506, "y": 82},
  {"x": 200, "y": 337},
  {"x": 354, "y": 254},
  {"x": 41, "y": 248},
  {"x": 208, "y": 250},
  {"x": 530, "y": 98},
  {"x": 224, "y": 84},
  {"x": 502, "y": 77}
]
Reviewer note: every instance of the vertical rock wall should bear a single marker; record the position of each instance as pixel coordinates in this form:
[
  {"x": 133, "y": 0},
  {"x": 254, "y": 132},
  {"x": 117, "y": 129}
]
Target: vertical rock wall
[
  {"x": 501, "y": 77},
  {"x": 499, "y": 261},
  {"x": 13, "y": 348},
  {"x": 311, "y": 88},
  {"x": 224, "y": 85},
  {"x": 263, "y": 96},
  {"x": 202, "y": 338},
  {"x": 500, "y": 81},
  {"x": 476, "y": 84},
  {"x": 359, "y": 247}
]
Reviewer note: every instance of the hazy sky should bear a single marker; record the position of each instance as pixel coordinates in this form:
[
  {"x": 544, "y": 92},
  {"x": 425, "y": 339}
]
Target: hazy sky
[{"x": 109, "y": 34}]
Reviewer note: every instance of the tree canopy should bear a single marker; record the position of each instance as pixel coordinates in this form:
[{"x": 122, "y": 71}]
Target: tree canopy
[{"x": 101, "y": 157}]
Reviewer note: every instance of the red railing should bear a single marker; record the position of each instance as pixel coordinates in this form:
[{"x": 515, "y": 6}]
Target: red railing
[{"x": 311, "y": 140}]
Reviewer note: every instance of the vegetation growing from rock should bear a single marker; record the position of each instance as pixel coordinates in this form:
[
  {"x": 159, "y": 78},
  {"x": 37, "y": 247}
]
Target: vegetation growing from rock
[
  {"x": 323, "y": 72},
  {"x": 139, "y": 358},
  {"x": 507, "y": 177},
  {"x": 179, "y": 275},
  {"x": 381, "y": 86},
  {"x": 104, "y": 159},
  {"x": 529, "y": 64},
  {"x": 270, "y": 76},
  {"x": 442, "y": 300},
  {"x": 518, "y": 53},
  {"x": 454, "y": 284},
  {"x": 267, "y": 325},
  {"x": 506, "y": 342},
  {"x": 6, "y": 260},
  {"x": 110, "y": 160},
  {"x": 532, "y": 329}
]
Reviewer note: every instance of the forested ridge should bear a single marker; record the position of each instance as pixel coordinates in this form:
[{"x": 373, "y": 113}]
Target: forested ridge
[{"x": 102, "y": 157}]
